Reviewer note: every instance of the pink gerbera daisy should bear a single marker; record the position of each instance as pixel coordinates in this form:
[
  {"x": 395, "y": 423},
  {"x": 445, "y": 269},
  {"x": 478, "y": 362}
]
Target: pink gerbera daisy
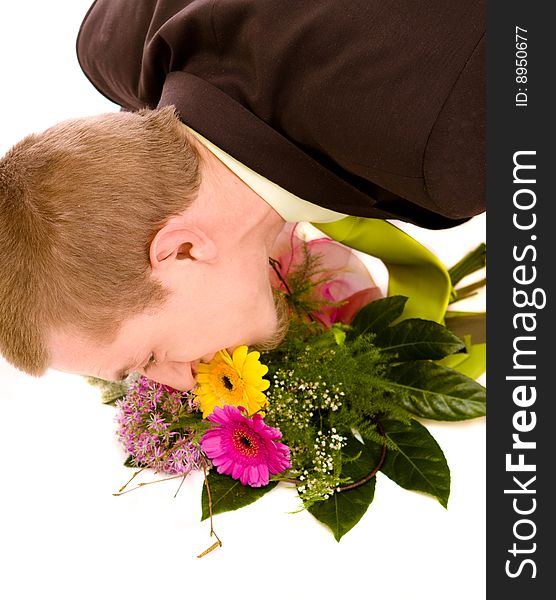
[{"x": 243, "y": 447}]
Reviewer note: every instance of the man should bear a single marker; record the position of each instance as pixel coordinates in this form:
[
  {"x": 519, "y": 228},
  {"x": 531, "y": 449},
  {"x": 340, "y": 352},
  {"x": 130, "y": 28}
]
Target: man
[{"x": 140, "y": 240}]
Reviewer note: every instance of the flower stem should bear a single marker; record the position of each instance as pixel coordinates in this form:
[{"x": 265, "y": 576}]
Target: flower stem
[
  {"x": 275, "y": 264},
  {"x": 471, "y": 262},
  {"x": 376, "y": 469},
  {"x": 144, "y": 483},
  {"x": 218, "y": 543},
  {"x": 368, "y": 477},
  {"x": 468, "y": 290},
  {"x": 123, "y": 489}
]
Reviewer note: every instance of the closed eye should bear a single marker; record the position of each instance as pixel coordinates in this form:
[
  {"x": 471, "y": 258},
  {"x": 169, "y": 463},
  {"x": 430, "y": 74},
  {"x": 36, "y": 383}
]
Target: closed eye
[{"x": 150, "y": 363}]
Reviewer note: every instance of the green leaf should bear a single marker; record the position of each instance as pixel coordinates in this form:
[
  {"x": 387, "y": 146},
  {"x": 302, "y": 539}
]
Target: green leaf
[
  {"x": 415, "y": 339},
  {"x": 229, "y": 494},
  {"x": 343, "y": 510},
  {"x": 377, "y": 315},
  {"x": 130, "y": 462},
  {"x": 193, "y": 421},
  {"x": 471, "y": 363},
  {"x": 416, "y": 461},
  {"x": 111, "y": 391},
  {"x": 339, "y": 335},
  {"x": 432, "y": 391}
]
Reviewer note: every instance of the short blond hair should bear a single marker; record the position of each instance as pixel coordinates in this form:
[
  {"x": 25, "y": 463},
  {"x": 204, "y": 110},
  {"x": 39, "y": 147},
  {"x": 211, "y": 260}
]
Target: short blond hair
[{"x": 79, "y": 206}]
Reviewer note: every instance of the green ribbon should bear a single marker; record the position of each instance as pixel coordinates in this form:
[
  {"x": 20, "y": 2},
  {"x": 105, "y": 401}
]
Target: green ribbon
[{"x": 414, "y": 271}]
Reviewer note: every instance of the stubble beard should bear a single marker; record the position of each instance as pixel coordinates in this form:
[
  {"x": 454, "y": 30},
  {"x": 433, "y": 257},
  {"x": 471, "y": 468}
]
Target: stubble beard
[{"x": 282, "y": 311}]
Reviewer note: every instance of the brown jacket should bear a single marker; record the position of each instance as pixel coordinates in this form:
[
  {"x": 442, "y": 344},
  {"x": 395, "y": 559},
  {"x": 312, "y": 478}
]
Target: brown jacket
[{"x": 367, "y": 107}]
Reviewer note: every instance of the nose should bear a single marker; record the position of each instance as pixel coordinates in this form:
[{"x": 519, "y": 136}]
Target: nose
[{"x": 179, "y": 375}]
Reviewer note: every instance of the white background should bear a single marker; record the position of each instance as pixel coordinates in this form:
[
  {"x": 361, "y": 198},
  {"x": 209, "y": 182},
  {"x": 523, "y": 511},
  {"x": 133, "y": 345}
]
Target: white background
[{"x": 64, "y": 535}]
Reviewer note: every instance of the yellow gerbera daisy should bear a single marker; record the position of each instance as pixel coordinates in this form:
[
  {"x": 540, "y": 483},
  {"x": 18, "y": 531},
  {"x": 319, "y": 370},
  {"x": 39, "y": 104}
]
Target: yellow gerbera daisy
[{"x": 236, "y": 380}]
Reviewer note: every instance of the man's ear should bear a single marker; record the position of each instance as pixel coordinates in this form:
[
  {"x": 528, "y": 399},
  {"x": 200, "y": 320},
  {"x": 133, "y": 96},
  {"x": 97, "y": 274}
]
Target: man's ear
[{"x": 178, "y": 241}]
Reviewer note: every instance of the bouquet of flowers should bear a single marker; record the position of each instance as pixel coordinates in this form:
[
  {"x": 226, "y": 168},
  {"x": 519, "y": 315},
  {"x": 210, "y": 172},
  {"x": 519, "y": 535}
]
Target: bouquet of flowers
[{"x": 338, "y": 401}]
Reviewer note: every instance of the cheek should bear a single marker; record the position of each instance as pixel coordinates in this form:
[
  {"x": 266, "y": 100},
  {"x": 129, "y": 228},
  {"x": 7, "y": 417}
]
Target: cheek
[
  {"x": 234, "y": 308},
  {"x": 194, "y": 332}
]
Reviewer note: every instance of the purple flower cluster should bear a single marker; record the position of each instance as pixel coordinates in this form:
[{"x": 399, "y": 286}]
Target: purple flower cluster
[{"x": 148, "y": 428}]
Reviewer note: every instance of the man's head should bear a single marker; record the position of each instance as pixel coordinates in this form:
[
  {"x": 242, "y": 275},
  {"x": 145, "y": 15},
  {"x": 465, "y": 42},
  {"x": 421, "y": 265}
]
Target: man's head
[{"x": 114, "y": 248}]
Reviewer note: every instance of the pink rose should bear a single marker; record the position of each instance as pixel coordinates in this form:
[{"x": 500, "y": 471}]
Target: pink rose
[{"x": 342, "y": 278}]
